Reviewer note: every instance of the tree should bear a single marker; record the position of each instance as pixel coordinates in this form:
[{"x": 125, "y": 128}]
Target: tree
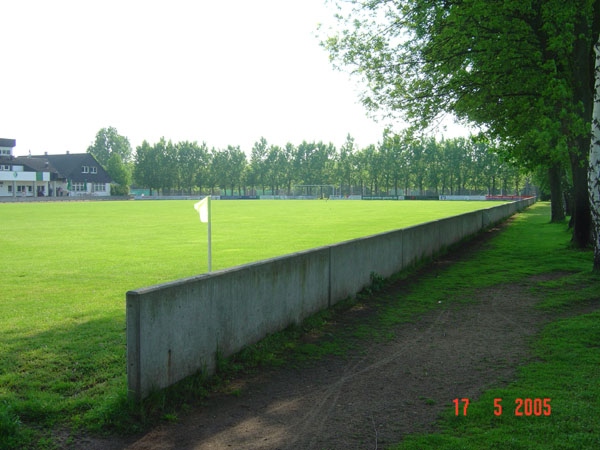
[
  {"x": 203, "y": 176},
  {"x": 236, "y": 160},
  {"x": 146, "y": 167},
  {"x": 120, "y": 174},
  {"x": 219, "y": 170},
  {"x": 167, "y": 169},
  {"x": 289, "y": 152},
  {"x": 192, "y": 159},
  {"x": 108, "y": 142},
  {"x": 343, "y": 167},
  {"x": 258, "y": 163},
  {"x": 522, "y": 70},
  {"x": 372, "y": 164},
  {"x": 113, "y": 152},
  {"x": 275, "y": 164},
  {"x": 594, "y": 161},
  {"x": 228, "y": 167}
]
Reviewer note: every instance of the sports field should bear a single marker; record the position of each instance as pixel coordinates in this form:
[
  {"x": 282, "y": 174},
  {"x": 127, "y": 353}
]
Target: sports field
[{"x": 66, "y": 268}]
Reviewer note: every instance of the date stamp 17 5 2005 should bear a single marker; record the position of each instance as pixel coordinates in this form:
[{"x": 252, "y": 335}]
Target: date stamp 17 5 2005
[{"x": 522, "y": 407}]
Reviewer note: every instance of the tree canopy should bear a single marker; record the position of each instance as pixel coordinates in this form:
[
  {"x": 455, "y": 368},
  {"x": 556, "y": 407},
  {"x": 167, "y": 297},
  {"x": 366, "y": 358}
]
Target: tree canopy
[
  {"x": 113, "y": 151},
  {"x": 520, "y": 69},
  {"x": 399, "y": 165},
  {"x": 108, "y": 142}
]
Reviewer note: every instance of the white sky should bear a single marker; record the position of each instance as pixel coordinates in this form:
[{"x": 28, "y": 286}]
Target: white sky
[{"x": 224, "y": 72}]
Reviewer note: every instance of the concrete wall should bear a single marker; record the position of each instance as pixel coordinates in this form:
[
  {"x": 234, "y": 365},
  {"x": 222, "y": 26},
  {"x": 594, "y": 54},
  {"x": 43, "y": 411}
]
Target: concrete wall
[
  {"x": 353, "y": 262},
  {"x": 176, "y": 329}
]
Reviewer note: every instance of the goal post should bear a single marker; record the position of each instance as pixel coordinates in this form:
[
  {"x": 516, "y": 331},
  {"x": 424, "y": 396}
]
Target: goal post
[{"x": 314, "y": 190}]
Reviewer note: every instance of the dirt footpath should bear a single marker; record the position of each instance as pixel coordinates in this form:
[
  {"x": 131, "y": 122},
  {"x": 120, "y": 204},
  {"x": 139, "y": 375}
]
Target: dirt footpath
[{"x": 374, "y": 396}]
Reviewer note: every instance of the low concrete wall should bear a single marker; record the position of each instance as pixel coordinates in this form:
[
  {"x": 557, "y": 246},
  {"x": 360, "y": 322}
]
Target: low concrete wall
[
  {"x": 176, "y": 329},
  {"x": 353, "y": 262}
]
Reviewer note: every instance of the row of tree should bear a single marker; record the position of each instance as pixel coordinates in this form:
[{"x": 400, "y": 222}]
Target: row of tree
[
  {"x": 396, "y": 166},
  {"x": 524, "y": 71}
]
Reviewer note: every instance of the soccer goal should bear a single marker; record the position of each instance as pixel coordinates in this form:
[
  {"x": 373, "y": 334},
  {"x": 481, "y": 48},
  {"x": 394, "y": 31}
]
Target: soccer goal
[{"x": 314, "y": 190}]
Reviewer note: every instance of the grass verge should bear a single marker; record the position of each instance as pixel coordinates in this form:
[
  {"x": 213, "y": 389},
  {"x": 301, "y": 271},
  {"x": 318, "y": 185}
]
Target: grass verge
[
  {"x": 567, "y": 352},
  {"x": 566, "y": 374}
]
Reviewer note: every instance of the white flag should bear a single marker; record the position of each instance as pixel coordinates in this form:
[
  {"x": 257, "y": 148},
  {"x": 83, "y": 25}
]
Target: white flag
[{"x": 202, "y": 208}]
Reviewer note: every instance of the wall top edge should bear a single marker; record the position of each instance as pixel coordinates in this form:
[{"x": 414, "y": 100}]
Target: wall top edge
[{"x": 224, "y": 272}]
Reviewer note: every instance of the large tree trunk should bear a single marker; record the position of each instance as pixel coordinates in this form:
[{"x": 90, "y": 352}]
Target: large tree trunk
[
  {"x": 581, "y": 218},
  {"x": 583, "y": 82},
  {"x": 555, "y": 180},
  {"x": 594, "y": 161}
]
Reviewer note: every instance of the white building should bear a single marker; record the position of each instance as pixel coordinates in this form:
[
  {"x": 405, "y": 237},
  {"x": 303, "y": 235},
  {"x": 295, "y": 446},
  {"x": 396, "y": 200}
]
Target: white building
[{"x": 50, "y": 175}]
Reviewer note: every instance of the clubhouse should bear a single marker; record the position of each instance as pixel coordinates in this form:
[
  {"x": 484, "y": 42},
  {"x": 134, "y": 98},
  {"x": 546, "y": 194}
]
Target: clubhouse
[{"x": 77, "y": 174}]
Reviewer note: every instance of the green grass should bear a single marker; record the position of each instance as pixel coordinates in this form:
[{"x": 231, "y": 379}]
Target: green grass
[
  {"x": 567, "y": 367},
  {"x": 67, "y": 266},
  {"x": 567, "y": 373},
  {"x": 530, "y": 246},
  {"x": 62, "y": 340}
]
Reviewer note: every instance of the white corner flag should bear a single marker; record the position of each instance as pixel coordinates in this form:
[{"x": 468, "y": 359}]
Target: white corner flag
[{"x": 203, "y": 208}]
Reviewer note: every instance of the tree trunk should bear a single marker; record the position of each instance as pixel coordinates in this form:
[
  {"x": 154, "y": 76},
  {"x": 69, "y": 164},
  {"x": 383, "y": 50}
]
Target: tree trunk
[
  {"x": 554, "y": 178},
  {"x": 583, "y": 82},
  {"x": 581, "y": 218},
  {"x": 594, "y": 161}
]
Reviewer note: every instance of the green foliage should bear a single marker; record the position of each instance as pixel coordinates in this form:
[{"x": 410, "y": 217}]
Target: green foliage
[
  {"x": 109, "y": 142},
  {"x": 12, "y": 434},
  {"x": 521, "y": 71},
  {"x": 118, "y": 171},
  {"x": 399, "y": 165},
  {"x": 119, "y": 190},
  {"x": 508, "y": 66},
  {"x": 377, "y": 283},
  {"x": 113, "y": 152}
]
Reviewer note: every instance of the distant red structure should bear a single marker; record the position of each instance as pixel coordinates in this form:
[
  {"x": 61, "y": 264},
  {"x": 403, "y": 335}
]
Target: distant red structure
[{"x": 508, "y": 197}]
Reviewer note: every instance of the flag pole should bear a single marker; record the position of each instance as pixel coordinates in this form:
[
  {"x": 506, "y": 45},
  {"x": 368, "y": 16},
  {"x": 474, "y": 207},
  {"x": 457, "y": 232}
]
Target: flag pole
[
  {"x": 203, "y": 208},
  {"x": 209, "y": 236}
]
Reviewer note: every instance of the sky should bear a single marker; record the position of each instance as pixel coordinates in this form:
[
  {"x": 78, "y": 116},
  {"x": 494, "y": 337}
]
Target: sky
[{"x": 224, "y": 72}]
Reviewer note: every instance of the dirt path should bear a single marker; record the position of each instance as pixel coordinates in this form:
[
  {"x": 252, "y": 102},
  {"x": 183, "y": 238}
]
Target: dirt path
[
  {"x": 370, "y": 400},
  {"x": 373, "y": 397}
]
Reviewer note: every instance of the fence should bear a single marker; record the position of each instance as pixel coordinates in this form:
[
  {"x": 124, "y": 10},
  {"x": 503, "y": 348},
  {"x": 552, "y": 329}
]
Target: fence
[{"x": 176, "y": 329}]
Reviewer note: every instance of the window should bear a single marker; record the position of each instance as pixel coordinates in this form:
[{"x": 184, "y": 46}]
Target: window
[
  {"x": 94, "y": 170},
  {"x": 85, "y": 169},
  {"x": 4, "y": 167},
  {"x": 5, "y": 151},
  {"x": 99, "y": 187},
  {"x": 78, "y": 187}
]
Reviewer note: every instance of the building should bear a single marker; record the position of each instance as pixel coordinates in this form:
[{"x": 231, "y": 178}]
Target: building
[{"x": 50, "y": 175}]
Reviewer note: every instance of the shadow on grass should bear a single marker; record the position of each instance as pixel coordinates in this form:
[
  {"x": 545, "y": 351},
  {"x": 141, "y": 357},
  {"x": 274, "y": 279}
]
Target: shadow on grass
[{"x": 73, "y": 373}]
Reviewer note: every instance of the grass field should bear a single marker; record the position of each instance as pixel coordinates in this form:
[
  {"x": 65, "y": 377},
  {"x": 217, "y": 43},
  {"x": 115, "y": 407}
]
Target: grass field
[{"x": 67, "y": 266}]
